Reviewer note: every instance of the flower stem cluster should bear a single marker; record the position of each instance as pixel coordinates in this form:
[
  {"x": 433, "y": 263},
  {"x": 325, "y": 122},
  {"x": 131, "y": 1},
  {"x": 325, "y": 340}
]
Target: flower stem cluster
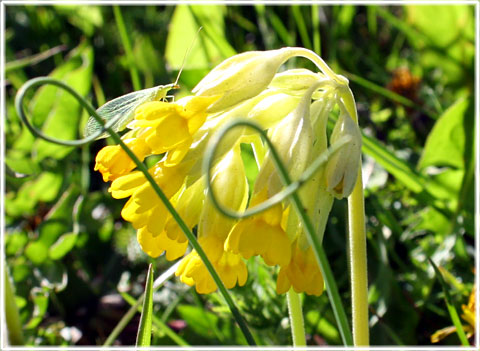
[{"x": 293, "y": 106}]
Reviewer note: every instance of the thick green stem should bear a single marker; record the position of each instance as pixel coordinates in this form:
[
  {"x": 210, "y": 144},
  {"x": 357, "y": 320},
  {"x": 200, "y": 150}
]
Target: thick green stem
[
  {"x": 15, "y": 335},
  {"x": 296, "y": 318},
  {"x": 358, "y": 247},
  {"x": 358, "y": 264}
]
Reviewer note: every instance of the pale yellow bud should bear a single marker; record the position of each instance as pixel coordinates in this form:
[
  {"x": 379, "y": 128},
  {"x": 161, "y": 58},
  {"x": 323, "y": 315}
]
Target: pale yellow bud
[
  {"x": 241, "y": 77},
  {"x": 293, "y": 140},
  {"x": 229, "y": 184},
  {"x": 342, "y": 168}
]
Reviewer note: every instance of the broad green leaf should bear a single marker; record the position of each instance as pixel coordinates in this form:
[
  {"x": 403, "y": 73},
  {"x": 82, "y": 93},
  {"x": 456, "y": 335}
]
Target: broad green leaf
[
  {"x": 199, "y": 320},
  {"x": 210, "y": 48},
  {"x": 446, "y": 143},
  {"x": 42, "y": 103},
  {"x": 443, "y": 25},
  {"x": 62, "y": 246},
  {"x": 15, "y": 242},
  {"x": 86, "y": 18},
  {"x": 45, "y": 188},
  {"x": 144, "y": 335},
  {"x": 21, "y": 270},
  {"x": 63, "y": 118},
  {"x": 37, "y": 252},
  {"x": 326, "y": 329}
]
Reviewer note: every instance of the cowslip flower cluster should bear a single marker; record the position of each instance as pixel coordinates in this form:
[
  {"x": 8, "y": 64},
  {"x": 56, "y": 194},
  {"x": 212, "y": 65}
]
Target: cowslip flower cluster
[{"x": 293, "y": 106}]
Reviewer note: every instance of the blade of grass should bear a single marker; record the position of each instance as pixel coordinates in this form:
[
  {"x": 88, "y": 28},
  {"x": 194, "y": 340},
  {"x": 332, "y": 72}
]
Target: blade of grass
[
  {"x": 127, "y": 47},
  {"x": 316, "y": 29},
  {"x": 282, "y": 32},
  {"x": 302, "y": 28},
  {"x": 144, "y": 336},
  {"x": 383, "y": 91},
  {"x": 34, "y": 59},
  {"x": 372, "y": 20},
  {"x": 451, "y": 309},
  {"x": 157, "y": 322},
  {"x": 14, "y": 326},
  {"x": 127, "y": 317}
]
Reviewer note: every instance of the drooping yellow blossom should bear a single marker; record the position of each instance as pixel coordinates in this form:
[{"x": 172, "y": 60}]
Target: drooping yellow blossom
[
  {"x": 262, "y": 235},
  {"x": 342, "y": 169},
  {"x": 172, "y": 124},
  {"x": 112, "y": 161},
  {"x": 302, "y": 273},
  {"x": 229, "y": 266},
  {"x": 230, "y": 185},
  {"x": 293, "y": 106},
  {"x": 146, "y": 211}
]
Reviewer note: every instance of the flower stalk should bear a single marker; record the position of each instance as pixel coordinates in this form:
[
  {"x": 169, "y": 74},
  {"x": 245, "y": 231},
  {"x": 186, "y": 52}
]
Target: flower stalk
[
  {"x": 358, "y": 247},
  {"x": 296, "y": 318}
]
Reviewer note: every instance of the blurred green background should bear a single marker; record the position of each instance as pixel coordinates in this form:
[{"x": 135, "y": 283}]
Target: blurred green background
[{"x": 73, "y": 260}]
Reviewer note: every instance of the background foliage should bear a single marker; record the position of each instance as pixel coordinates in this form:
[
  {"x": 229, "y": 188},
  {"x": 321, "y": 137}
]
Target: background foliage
[{"x": 75, "y": 263}]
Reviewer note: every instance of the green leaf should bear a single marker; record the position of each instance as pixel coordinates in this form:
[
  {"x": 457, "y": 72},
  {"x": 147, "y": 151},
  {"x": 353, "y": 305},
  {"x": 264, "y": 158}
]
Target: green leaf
[
  {"x": 199, "y": 320},
  {"x": 45, "y": 188},
  {"x": 446, "y": 143},
  {"x": 431, "y": 20},
  {"x": 86, "y": 18},
  {"x": 210, "y": 47},
  {"x": 63, "y": 117},
  {"x": 37, "y": 252},
  {"x": 323, "y": 326},
  {"x": 144, "y": 335},
  {"x": 62, "y": 246},
  {"x": 451, "y": 308},
  {"x": 42, "y": 103}
]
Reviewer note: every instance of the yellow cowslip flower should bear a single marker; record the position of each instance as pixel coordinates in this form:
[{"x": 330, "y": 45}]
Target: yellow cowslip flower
[
  {"x": 146, "y": 211},
  {"x": 241, "y": 77},
  {"x": 468, "y": 316},
  {"x": 230, "y": 267},
  {"x": 262, "y": 235},
  {"x": 230, "y": 185},
  {"x": 244, "y": 86},
  {"x": 302, "y": 273},
  {"x": 112, "y": 161},
  {"x": 172, "y": 124},
  {"x": 265, "y": 234},
  {"x": 342, "y": 169}
]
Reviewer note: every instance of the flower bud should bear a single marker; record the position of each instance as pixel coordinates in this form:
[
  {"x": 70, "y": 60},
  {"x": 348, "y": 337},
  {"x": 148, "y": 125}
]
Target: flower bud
[
  {"x": 342, "y": 168},
  {"x": 241, "y": 77}
]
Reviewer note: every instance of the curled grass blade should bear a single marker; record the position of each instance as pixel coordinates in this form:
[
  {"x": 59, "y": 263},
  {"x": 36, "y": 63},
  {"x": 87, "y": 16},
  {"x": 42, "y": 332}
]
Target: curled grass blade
[
  {"x": 332, "y": 289},
  {"x": 142, "y": 168},
  {"x": 144, "y": 335}
]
